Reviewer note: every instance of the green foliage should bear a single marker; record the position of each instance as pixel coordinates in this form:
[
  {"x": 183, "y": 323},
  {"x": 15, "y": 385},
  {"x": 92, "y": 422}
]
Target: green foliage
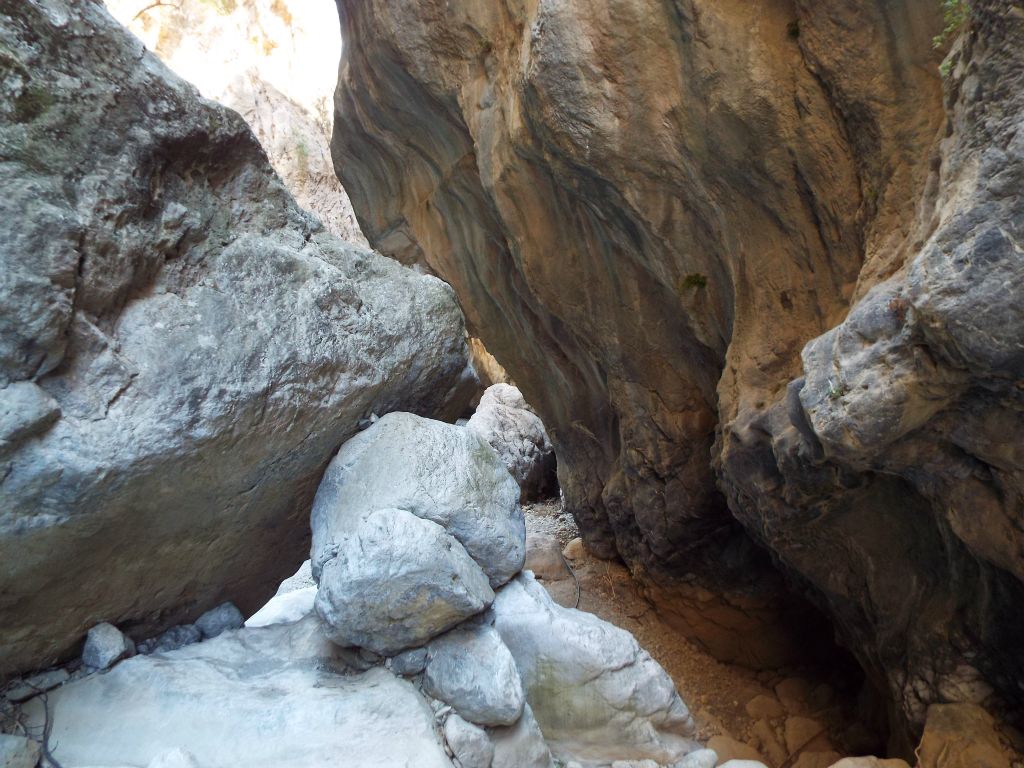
[
  {"x": 836, "y": 391},
  {"x": 954, "y": 14}
]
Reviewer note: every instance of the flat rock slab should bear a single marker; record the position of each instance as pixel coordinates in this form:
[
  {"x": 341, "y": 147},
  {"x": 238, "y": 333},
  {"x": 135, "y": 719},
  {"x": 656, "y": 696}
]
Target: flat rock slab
[{"x": 263, "y": 698}]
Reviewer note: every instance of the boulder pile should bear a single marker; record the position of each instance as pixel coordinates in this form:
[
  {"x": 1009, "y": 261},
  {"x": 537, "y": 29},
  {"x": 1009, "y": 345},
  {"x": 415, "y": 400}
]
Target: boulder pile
[{"x": 422, "y": 624}]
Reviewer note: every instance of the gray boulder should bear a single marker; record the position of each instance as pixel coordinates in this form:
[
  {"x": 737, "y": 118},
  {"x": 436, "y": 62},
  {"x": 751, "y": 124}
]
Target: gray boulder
[
  {"x": 410, "y": 662},
  {"x": 521, "y": 745},
  {"x": 471, "y": 669},
  {"x": 597, "y": 695},
  {"x": 106, "y": 645},
  {"x": 220, "y": 619},
  {"x": 182, "y": 348},
  {"x": 396, "y": 581},
  {"x": 439, "y": 472},
  {"x": 514, "y": 430},
  {"x": 275, "y": 697},
  {"x": 470, "y": 745},
  {"x": 18, "y": 752},
  {"x": 172, "y": 639}
]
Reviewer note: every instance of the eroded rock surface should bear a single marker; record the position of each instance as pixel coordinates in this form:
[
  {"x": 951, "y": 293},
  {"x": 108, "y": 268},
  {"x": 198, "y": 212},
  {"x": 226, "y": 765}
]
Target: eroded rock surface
[
  {"x": 748, "y": 264},
  {"x": 442, "y": 473},
  {"x": 472, "y": 669},
  {"x": 396, "y": 581},
  {"x": 182, "y": 348},
  {"x": 514, "y": 430},
  {"x": 597, "y": 696}
]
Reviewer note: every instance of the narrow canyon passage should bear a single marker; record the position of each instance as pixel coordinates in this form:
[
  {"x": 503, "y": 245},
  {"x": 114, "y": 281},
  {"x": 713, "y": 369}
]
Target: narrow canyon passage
[{"x": 511, "y": 384}]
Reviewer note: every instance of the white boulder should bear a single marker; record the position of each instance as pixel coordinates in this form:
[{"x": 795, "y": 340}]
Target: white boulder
[
  {"x": 470, "y": 744},
  {"x": 284, "y": 608},
  {"x": 521, "y": 745},
  {"x": 597, "y": 695},
  {"x": 516, "y": 433},
  {"x": 439, "y": 472},
  {"x": 702, "y": 758},
  {"x": 397, "y": 580},
  {"x": 272, "y": 697}
]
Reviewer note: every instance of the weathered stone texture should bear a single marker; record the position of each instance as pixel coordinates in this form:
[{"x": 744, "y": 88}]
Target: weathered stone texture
[
  {"x": 755, "y": 263},
  {"x": 182, "y": 348}
]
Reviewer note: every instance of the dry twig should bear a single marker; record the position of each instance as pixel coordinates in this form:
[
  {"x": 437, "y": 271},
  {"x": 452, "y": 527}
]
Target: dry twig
[{"x": 151, "y": 6}]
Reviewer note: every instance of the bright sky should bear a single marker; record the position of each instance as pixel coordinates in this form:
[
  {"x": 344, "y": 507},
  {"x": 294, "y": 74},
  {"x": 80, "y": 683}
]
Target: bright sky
[{"x": 300, "y": 59}]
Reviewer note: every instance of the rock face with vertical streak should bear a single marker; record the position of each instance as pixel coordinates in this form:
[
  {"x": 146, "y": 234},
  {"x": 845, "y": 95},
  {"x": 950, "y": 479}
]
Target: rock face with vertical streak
[
  {"x": 759, "y": 269},
  {"x": 182, "y": 348}
]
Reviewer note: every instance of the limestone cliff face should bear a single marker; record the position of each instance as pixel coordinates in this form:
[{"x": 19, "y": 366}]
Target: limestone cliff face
[
  {"x": 755, "y": 265},
  {"x": 182, "y": 348}
]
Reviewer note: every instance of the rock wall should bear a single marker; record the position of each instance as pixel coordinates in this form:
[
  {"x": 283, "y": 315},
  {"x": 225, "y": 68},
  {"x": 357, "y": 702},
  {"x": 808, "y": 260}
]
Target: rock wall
[
  {"x": 264, "y": 59},
  {"x": 754, "y": 265},
  {"x": 182, "y": 348}
]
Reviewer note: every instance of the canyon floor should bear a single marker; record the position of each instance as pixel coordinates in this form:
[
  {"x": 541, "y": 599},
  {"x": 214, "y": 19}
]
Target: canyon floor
[{"x": 790, "y": 717}]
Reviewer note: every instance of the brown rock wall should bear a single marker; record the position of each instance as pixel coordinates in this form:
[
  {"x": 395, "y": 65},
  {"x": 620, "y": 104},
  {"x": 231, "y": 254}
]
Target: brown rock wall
[{"x": 743, "y": 259}]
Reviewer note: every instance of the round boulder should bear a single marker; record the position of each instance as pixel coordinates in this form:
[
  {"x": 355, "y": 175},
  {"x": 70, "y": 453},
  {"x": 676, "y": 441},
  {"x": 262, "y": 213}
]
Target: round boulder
[
  {"x": 514, "y": 430},
  {"x": 396, "y": 582},
  {"x": 436, "y": 471}
]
